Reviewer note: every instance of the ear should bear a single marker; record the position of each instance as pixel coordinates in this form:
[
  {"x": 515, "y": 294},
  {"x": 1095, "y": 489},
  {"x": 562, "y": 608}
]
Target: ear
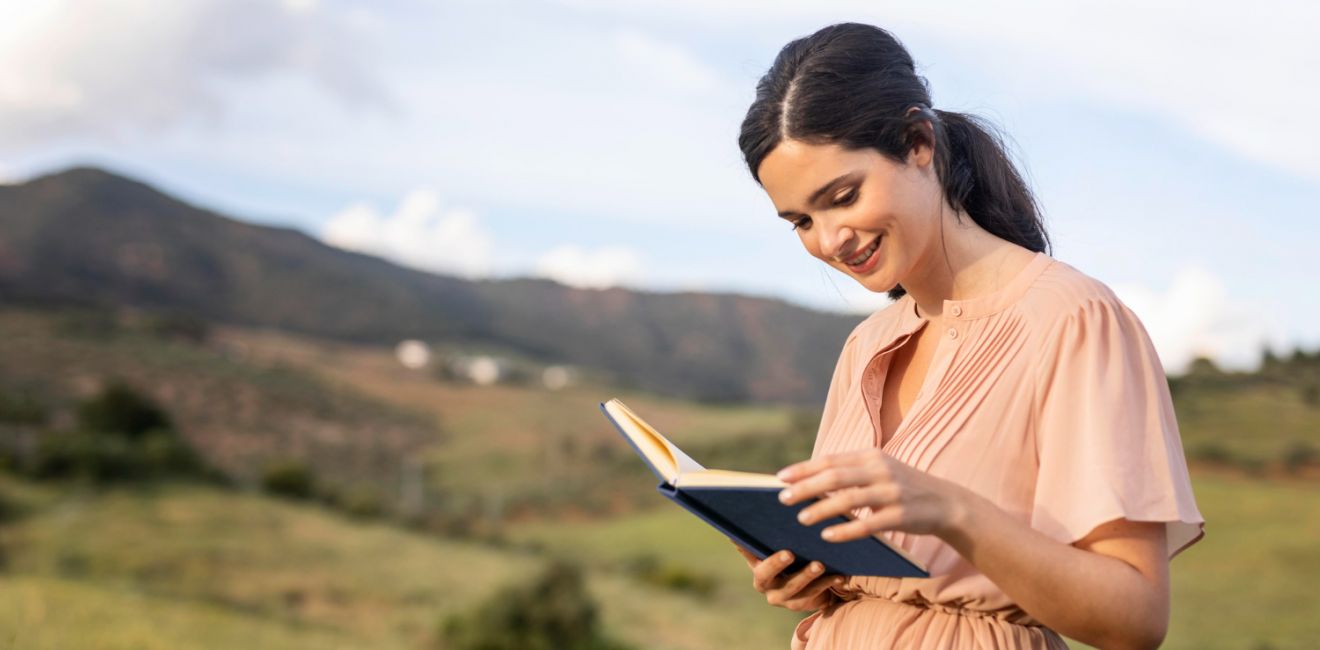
[{"x": 923, "y": 141}]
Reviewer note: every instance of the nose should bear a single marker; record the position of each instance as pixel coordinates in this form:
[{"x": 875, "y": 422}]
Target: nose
[{"x": 836, "y": 239}]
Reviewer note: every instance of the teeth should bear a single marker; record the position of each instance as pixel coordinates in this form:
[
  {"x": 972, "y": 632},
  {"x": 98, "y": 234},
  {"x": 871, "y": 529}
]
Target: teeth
[{"x": 866, "y": 254}]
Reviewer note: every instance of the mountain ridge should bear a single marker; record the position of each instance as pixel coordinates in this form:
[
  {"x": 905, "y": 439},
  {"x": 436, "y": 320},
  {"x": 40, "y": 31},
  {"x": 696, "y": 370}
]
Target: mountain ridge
[{"x": 86, "y": 235}]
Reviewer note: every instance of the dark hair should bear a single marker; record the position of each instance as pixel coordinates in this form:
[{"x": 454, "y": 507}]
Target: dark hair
[{"x": 853, "y": 84}]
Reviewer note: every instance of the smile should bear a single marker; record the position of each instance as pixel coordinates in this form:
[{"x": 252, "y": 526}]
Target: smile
[{"x": 864, "y": 256}]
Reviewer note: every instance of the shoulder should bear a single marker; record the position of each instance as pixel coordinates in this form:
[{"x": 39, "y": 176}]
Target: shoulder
[{"x": 1062, "y": 293}]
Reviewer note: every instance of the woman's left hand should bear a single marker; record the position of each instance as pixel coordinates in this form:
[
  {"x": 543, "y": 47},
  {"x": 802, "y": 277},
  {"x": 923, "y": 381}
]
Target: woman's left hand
[{"x": 900, "y": 496}]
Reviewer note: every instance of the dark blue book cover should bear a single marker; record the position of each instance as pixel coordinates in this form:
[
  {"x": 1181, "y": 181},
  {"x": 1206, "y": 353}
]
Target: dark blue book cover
[{"x": 753, "y": 517}]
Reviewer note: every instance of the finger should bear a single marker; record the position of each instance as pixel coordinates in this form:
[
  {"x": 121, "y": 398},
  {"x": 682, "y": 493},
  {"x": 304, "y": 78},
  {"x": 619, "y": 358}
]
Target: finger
[
  {"x": 765, "y": 572},
  {"x": 845, "y": 501},
  {"x": 811, "y": 595},
  {"x": 826, "y": 480},
  {"x": 820, "y": 586},
  {"x": 801, "y": 579},
  {"x": 752, "y": 560},
  {"x": 880, "y": 520},
  {"x": 798, "y": 471}
]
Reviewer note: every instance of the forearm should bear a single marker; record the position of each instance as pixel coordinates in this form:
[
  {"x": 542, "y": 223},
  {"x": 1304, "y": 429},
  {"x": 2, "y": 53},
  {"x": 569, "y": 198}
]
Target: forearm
[{"x": 1096, "y": 599}]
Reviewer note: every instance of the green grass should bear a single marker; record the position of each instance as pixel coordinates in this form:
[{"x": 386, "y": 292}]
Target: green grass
[
  {"x": 1248, "y": 584},
  {"x": 1256, "y": 424},
  {"x": 192, "y": 567}
]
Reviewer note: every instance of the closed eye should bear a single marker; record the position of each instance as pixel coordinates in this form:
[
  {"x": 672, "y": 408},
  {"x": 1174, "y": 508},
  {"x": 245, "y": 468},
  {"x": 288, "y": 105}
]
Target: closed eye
[{"x": 843, "y": 200}]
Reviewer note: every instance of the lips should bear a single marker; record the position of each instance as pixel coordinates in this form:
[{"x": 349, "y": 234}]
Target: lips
[{"x": 864, "y": 255}]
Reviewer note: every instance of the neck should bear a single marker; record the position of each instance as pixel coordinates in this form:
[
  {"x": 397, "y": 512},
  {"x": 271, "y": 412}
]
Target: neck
[{"x": 968, "y": 263}]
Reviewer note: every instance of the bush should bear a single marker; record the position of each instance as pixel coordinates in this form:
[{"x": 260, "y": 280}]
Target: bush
[
  {"x": 553, "y": 612},
  {"x": 650, "y": 569},
  {"x": 1211, "y": 452},
  {"x": 21, "y": 409},
  {"x": 1298, "y": 455},
  {"x": 81, "y": 454},
  {"x": 362, "y": 501},
  {"x": 288, "y": 478},
  {"x": 121, "y": 436},
  {"x": 119, "y": 409}
]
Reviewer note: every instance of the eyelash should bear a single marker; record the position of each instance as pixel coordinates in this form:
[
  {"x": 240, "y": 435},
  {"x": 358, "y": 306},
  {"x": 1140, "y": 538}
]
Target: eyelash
[{"x": 802, "y": 222}]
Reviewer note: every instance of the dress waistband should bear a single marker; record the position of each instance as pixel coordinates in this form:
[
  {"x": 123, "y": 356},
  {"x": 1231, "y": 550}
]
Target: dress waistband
[{"x": 922, "y": 603}]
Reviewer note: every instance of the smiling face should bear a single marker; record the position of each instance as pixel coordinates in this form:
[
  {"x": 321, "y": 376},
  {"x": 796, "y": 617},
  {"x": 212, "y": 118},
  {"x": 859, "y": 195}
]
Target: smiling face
[{"x": 858, "y": 211}]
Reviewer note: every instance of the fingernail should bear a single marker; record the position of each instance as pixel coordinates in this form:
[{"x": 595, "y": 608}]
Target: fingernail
[
  {"x": 785, "y": 556},
  {"x": 783, "y": 474},
  {"x": 828, "y": 533},
  {"x": 785, "y": 495},
  {"x": 815, "y": 568},
  {"x": 804, "y": 517}
]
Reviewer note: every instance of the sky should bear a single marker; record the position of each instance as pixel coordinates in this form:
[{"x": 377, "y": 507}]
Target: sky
[{"x": 1173, "y": 147}]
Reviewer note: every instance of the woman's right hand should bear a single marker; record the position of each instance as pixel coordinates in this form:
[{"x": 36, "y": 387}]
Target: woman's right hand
[{"x": 805, "y": 591}]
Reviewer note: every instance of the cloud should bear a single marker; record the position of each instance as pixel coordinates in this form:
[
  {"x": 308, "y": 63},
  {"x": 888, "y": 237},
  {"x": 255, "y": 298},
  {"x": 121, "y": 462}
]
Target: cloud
[
  {"x": 1195, "y": 317},
  {"x": 603, "y": 267},
  {"x": 103, "y": 67},
  {"x": 417, "y": 234},
  {"x": 1225, "y": 71}
]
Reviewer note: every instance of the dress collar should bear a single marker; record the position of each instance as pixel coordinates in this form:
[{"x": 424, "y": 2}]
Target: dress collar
[{"x": 978, "y": 306}]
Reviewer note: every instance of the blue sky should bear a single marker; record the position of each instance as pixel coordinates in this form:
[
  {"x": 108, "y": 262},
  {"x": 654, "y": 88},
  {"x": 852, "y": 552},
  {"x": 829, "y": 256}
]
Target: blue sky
[{"x": 596, "y": 142}]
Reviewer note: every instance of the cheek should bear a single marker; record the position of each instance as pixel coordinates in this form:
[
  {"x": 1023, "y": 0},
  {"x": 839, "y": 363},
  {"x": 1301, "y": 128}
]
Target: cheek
[{"x": 810, "y": 243}]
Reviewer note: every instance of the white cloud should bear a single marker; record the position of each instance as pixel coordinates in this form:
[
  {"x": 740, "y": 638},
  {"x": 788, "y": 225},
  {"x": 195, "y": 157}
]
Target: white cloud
[
  {"x": 417, "y": 234},
  {"x": 105, "y": 67},
  {"x": 604, "y": 267},
  {"x": 1196, "y": 317},
  {"x": 1225, "y": 71}
]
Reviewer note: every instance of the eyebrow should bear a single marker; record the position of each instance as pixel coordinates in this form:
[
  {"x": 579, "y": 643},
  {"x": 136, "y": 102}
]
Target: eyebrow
[{"x": 815, "y": 196}]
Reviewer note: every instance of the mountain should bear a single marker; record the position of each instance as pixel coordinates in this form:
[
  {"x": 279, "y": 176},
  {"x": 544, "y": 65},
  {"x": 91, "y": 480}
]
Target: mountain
[{"x": 89, "y": 237}]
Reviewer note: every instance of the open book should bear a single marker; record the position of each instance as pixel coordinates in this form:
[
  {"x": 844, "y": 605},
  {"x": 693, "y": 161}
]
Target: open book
[{"x": 745, "y": 506}]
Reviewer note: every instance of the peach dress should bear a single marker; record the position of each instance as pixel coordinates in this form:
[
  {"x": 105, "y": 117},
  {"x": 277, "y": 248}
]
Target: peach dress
[{"x": 1047, "y": 398}]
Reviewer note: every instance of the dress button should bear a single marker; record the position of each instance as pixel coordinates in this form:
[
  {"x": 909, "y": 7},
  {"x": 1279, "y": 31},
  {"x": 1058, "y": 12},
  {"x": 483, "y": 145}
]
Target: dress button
[
  {"x": 953, "y": 333},
  {"x": 957, "y": 311}
]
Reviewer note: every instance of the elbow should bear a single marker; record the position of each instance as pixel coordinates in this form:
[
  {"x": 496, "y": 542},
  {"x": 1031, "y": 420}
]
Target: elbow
[
  {"x": 1143, "y": 637},
  {"x": 1145, "y": 632}
]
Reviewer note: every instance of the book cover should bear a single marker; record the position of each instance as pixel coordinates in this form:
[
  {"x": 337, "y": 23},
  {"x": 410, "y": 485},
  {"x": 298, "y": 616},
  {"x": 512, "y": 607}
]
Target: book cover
[{"x": 745, "y": 507}]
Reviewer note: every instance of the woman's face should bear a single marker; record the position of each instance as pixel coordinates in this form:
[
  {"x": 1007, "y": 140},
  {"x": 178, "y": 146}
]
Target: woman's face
[{"x": 877, "y": 223}]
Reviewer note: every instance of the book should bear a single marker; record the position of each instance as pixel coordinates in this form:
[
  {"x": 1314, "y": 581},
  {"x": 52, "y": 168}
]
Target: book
[{"x": 745, "y": 507}]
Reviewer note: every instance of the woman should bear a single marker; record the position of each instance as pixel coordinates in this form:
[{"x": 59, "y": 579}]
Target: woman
[{"x": 1006, "y": 420}]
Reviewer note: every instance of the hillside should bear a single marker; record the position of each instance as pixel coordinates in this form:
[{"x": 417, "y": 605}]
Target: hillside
[{"x": 89, "y": 237}]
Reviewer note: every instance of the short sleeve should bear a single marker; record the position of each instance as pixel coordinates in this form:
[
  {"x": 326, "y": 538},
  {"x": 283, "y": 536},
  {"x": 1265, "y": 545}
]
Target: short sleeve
[{"x": 1107, "y": 440}]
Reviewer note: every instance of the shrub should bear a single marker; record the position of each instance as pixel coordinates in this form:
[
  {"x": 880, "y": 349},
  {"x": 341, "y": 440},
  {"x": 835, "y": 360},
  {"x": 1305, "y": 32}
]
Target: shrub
[
  {"x": 1211, "y": 452},
  {"x": 1311, "y": 394},
  {"x": 288, "y": 478},
  {"x": 121, "y": 436},
  {"x": 651, "y": 570},
  {"x": 118, "y": 409},
  {"x": 1299, "y": 454},
  {"x": 552, "y": 612},
  {"x": 362, "y": 501},
  {"x": 18, "y": 408}
]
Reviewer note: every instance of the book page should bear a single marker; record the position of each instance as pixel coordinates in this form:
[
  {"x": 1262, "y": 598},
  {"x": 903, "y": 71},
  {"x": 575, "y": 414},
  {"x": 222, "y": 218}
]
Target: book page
[
  {"x": 728, "y": 478},
  {"x": 667, "y": 459}
]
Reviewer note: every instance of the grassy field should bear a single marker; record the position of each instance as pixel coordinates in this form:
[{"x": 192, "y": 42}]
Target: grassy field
[
  {"x": 191, "y": 567},
  {"x": 202, "y": 567},
  {"x": 1248, "y": 584}
]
